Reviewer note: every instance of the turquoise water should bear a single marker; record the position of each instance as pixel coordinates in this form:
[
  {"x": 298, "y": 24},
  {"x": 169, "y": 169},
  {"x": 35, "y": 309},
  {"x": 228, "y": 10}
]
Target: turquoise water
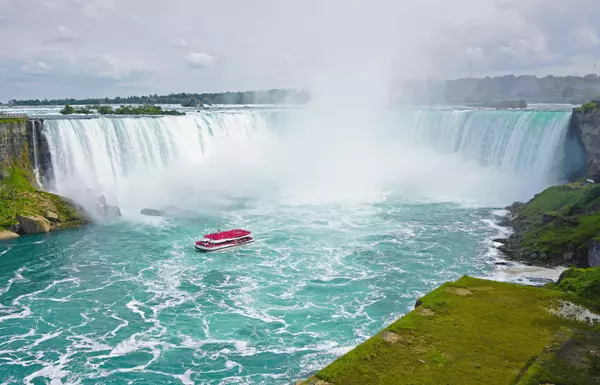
[
  {"x": 133, "y": 301},
  {"x": 355, "y": 218}
]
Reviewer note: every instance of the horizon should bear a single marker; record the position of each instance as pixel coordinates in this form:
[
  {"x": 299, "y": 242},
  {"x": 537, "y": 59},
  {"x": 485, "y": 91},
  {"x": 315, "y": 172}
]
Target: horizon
[{"x": 299, "y": 89}]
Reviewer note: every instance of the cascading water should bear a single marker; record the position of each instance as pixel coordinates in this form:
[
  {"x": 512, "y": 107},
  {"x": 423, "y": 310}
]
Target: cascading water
[
  {"x": 36, "y": 156},
  {"x": 519, "y": 142},
  {"x": 131, "y": 301},
  {"x": 130, "y": 158}
]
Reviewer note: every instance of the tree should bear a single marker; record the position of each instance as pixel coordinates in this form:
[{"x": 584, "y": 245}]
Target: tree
[{"x": 68, "y": 110}]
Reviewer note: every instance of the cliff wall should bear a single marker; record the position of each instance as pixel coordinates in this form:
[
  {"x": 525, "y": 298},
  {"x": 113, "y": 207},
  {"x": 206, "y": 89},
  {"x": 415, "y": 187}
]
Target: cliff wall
[
  {"x": 586, "y": 125},
  {"x": 23, "y": 139}
]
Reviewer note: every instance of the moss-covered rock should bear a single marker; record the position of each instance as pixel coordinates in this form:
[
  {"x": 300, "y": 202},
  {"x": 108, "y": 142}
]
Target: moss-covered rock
[
  {"x": 555, "y": 227},
  {"x": 475, "y": 331},
  {"x": 26, "y": 210},
  {"x": 33, "y": 224}
]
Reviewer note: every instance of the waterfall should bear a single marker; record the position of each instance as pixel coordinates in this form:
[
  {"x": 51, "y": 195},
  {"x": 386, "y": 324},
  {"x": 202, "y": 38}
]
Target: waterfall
[
  {"x": 36, "y": 156},
  {"x": 517, "y": 142},
  {"x": 153, "y": 160}
]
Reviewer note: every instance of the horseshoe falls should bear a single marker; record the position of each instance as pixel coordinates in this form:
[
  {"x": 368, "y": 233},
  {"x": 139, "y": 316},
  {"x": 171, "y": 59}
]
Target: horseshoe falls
[{"x": 354, "y": 218}]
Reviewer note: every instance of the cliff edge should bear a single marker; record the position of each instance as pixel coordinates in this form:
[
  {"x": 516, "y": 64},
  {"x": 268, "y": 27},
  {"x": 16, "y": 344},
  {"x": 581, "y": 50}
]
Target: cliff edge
[
  {"x": 24, "y": 208},
  {"x": 585, "y": 123},
  {"x": 475, "y": 331}
]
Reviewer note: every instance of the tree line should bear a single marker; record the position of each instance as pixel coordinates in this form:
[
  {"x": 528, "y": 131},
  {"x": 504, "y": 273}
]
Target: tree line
[{"x": 273, "y": 96}]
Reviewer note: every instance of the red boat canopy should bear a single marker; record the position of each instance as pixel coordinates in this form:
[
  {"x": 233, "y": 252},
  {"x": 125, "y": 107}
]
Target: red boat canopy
[{"x": 236, "y": 233}]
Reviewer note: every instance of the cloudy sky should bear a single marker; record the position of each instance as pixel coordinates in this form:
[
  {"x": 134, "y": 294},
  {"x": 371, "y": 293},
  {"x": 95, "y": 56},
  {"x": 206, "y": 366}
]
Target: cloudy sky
[{"x": 81, "y": 48}]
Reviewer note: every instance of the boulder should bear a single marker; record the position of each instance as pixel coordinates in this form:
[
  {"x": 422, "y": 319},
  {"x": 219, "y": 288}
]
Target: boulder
[
  {"x": 4, "y": 235},
  {"x": 33, "y": 224},
  {"x": 152, "y": 213},
  {"x": 52, "y": 217}
]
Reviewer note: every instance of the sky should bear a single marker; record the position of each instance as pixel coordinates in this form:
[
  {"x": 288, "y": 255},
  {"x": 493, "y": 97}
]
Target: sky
[{"x": 93, "y": 48}]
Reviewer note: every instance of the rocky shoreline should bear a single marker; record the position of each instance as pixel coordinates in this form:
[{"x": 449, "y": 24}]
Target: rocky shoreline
[{"x": 561, "y": 225}]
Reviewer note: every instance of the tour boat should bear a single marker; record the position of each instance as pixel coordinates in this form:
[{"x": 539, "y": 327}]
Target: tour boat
[{"x": 224, "y": 240}]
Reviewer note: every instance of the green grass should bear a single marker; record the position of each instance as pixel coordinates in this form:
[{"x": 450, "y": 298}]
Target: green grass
[
  {"x": 489, "y": 333},
  {"x": 19, "y": 197},
  {"x": 569, "y": 359},
  {"x": 18, "y": 178},
  {"x": 12, "y": 120},
  {"x": 584, "y": 283},
  {"x": 589, "y": 107},
  {"x": 576, "y": 212}
]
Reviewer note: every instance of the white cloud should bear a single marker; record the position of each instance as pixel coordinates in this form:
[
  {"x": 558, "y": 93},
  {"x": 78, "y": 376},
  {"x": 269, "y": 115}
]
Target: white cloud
[
  {"x": 65, "y": 35},
  {"x": 180, "y": 42},
  {"x": 96, "y": 9},
  {"x": 36, "y": 68},
  {"x": 586, "y": 36},
  {"x": 199, "y": 60}
]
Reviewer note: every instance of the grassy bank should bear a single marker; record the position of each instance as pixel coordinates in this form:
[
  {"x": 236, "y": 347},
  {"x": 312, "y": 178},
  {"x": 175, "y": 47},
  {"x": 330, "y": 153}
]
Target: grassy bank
[
  {"x": 19, "y": 196},
  {"x": 474, "y": 331},
  {"x": 556, "y": 225},
  {"x": 12, "y": 120}
]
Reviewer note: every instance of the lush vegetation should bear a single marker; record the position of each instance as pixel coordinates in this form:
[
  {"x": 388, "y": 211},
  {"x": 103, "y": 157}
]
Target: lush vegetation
[
  {"x": 68, "y": 110},
  {"x": 123, "y": 110},
  {"x": 584, "y": 283},
  {"x": 12, "y": 120},
  {"x": 18, "y": 196},
  {"x": 589, "y": 107},
  {"x": 471, "y": 331},
  {"x": 556, "y": 225},
  {"x": 274, "y": 96}
]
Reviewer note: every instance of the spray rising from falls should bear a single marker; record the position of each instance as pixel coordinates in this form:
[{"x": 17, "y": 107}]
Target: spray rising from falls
[{"x": 147, "y": 161}]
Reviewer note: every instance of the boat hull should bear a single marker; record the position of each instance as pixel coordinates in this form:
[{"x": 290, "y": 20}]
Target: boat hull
[{"x": 206, "y": 249}]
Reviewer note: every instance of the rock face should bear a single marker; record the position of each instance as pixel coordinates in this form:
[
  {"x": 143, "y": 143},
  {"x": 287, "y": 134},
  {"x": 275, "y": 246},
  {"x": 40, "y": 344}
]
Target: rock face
[
  {"x": 31, "y": 224},
  {"x": 586, "y": 125},
  {"x": 52, "y": 217},
  {"x": 17, "y": 138},
  {"x": 152, "y": 213},
  {"x": 593, "y": 257},
  {"x": 4, "y": 235}
]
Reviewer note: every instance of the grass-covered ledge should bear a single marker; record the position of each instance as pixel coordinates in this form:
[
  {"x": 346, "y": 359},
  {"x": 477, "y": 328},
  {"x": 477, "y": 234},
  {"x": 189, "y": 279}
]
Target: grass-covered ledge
[{"x": 474, "y": 331}]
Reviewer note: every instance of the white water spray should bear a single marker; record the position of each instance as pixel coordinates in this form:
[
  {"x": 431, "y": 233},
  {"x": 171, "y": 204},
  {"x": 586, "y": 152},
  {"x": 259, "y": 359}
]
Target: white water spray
[{"x": 489, "y": 157}]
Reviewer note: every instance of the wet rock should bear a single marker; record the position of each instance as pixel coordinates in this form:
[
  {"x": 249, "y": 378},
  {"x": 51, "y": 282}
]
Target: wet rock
[
  {"x": 503, "y": 241},
  {"x": 418, "y": 303},
  {"x": 112, "y": 211},
  {"x": 33, "y": 224},
  {"x": 52, "y": 217},
  {"x": 540, "y": 280},
  {"x": 4, "y": 235},
  {"x": 153, "y": 213},
  {"x": 593, "y": 255},
  {"x": 15, "y": 228}
]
